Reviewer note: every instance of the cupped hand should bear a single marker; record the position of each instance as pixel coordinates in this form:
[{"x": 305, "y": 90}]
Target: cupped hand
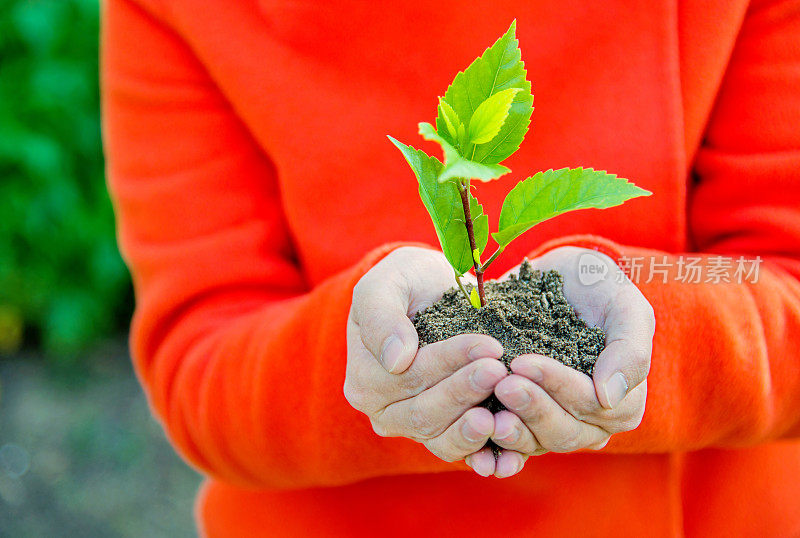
[
  {"x": 554, "y": 408},
  {"x": 431, "y": 395}
]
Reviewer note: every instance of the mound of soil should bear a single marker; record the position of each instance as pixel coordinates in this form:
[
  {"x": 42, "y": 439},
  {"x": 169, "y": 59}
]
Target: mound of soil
[{"x": 527, "y": 314}]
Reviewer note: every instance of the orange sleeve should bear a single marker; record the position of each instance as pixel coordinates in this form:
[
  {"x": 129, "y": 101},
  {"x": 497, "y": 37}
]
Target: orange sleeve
[
  {"x": 725, "y": 365},
  {"x": 242, "y": 362}
]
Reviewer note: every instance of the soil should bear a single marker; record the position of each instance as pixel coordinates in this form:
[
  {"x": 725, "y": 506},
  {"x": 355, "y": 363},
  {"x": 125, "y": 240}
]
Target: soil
[{"x": 527, "y": 314}]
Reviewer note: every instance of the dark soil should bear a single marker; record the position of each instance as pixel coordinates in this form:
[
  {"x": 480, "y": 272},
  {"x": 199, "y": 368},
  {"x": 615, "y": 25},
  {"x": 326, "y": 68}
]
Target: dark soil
[{"x": 527, "y": 314}]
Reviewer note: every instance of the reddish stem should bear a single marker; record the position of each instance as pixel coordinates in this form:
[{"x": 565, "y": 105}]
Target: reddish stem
[{"x": 464, "y": 190}]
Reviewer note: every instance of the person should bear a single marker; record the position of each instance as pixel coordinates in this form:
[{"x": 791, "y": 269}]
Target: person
[{"x": 278, "y": 247}]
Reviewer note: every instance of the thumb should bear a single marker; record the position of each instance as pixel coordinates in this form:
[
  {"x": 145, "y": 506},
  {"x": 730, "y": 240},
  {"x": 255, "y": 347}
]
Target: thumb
[{"x": 380, "y": 309}]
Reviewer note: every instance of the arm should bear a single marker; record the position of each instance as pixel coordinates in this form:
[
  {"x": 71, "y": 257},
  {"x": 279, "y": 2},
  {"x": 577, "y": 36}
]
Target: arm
[
  {"x": 725, "y": 369},
  {"x": 241, "y": 361}
]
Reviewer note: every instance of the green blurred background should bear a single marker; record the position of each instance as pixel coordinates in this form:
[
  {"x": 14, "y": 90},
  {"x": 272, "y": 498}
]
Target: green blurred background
[
  {"x": 60, "y": 274},
  {"x": 79, "y": 453}
]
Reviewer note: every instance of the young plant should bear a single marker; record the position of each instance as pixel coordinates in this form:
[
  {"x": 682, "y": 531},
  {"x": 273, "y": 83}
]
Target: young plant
[{"x": 482, "y": 120}]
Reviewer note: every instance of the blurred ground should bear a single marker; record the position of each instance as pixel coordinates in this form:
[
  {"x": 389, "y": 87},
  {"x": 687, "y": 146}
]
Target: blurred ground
[{"x": 81, "y": 456}]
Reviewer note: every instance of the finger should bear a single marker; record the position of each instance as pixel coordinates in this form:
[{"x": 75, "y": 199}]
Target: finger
[
  {"x": 625, "y": 361},
  {"x": 482, "y": 461},
  {"x": 380, "y": 309},
  {"x": 428, "y": 414},
  {"x": 465, "y": 436},
  {"x": 437, "y": 361},
  {"x": 509, "y": 463},
  {"x": 367, "y": 381},
  {"x": 511, "y": 434},
  {"x": 554, "y": 428},
  {"x": 574, "y": 391}
]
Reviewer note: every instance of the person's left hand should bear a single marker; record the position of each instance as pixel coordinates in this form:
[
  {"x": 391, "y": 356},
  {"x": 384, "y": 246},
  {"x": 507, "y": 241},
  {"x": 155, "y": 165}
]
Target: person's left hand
[{"x": 554, "y": 408}]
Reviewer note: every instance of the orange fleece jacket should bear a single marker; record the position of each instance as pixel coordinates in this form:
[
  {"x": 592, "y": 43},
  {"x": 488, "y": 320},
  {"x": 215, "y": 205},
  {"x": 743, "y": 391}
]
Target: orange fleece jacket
[{"x": 254, "y": 185}]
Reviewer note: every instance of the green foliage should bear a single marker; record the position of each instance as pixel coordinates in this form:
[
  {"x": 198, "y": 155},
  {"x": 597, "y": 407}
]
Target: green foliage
[
  {"x": 59, "y": 265},
  {"x": 443, "y": 202},
  {"x": 474, "y": 300},
  {"x": 548, "y": 194},
  {"x": 451, "y": 120},
  {"x": 490, "y": 116},
  {"x": 499, "y": 68},
  {"x": 455, "y": 165},
  {"x": 493, "y": 99}
]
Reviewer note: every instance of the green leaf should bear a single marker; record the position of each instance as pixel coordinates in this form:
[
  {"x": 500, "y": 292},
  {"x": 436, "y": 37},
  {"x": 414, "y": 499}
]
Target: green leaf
[
  {"x": 474, "y": 298},
  {"x": 462, "y": 168},
  {"x": 451, "y": 120},
  {"x": 457, "y": 167},
  {"x": 551, "y": 193},
  {"x": 443, "y": 202},
  {"x": 427, "y": 132},
  {"x": 490, "y": 116},
  {"x": 462, "y": 135},
  {"x": 499, "y": 68}
]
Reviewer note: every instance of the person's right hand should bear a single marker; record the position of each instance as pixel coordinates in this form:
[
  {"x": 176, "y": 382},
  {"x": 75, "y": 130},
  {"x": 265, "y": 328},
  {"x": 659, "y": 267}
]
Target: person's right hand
[{"x": 430, "y": 394}]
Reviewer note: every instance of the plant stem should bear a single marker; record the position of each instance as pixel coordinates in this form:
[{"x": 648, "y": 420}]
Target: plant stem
[
  {"x": 464, "y": 190},
  {"x": 492, "y": 258},
  {"x": 461, "y": 286}
]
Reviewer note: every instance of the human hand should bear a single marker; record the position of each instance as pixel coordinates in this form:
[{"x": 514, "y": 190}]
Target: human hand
[
  {"x": 552, "y": 407},
  {"x": 430, "y": 395}
]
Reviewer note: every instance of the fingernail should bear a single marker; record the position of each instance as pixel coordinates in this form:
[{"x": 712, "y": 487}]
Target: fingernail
[
  {"x": 503, "y": 432},
  {"x": 483, "y": 470},
  {"x": 616, "y": 389},
  {"x": 483, "y": 378},
  {"x": 469, "y": 435},
  {"x": 485, "y": 350},
  {"x": 475, "y": 463},
  {"x": 517, "y": 398},
  {"x": 472, "y": 433},
  {"x": 512, "y": 467},
  {"x": 508, "y": 437},
  {"x": 534, "y": 373},
  {"x": 391, "y": 353},
  {"x": 528, "y": 366}
]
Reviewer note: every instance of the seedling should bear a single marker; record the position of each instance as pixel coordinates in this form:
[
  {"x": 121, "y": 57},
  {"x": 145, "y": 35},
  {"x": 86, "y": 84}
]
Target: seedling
[{"x": 482, "y": 120}]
